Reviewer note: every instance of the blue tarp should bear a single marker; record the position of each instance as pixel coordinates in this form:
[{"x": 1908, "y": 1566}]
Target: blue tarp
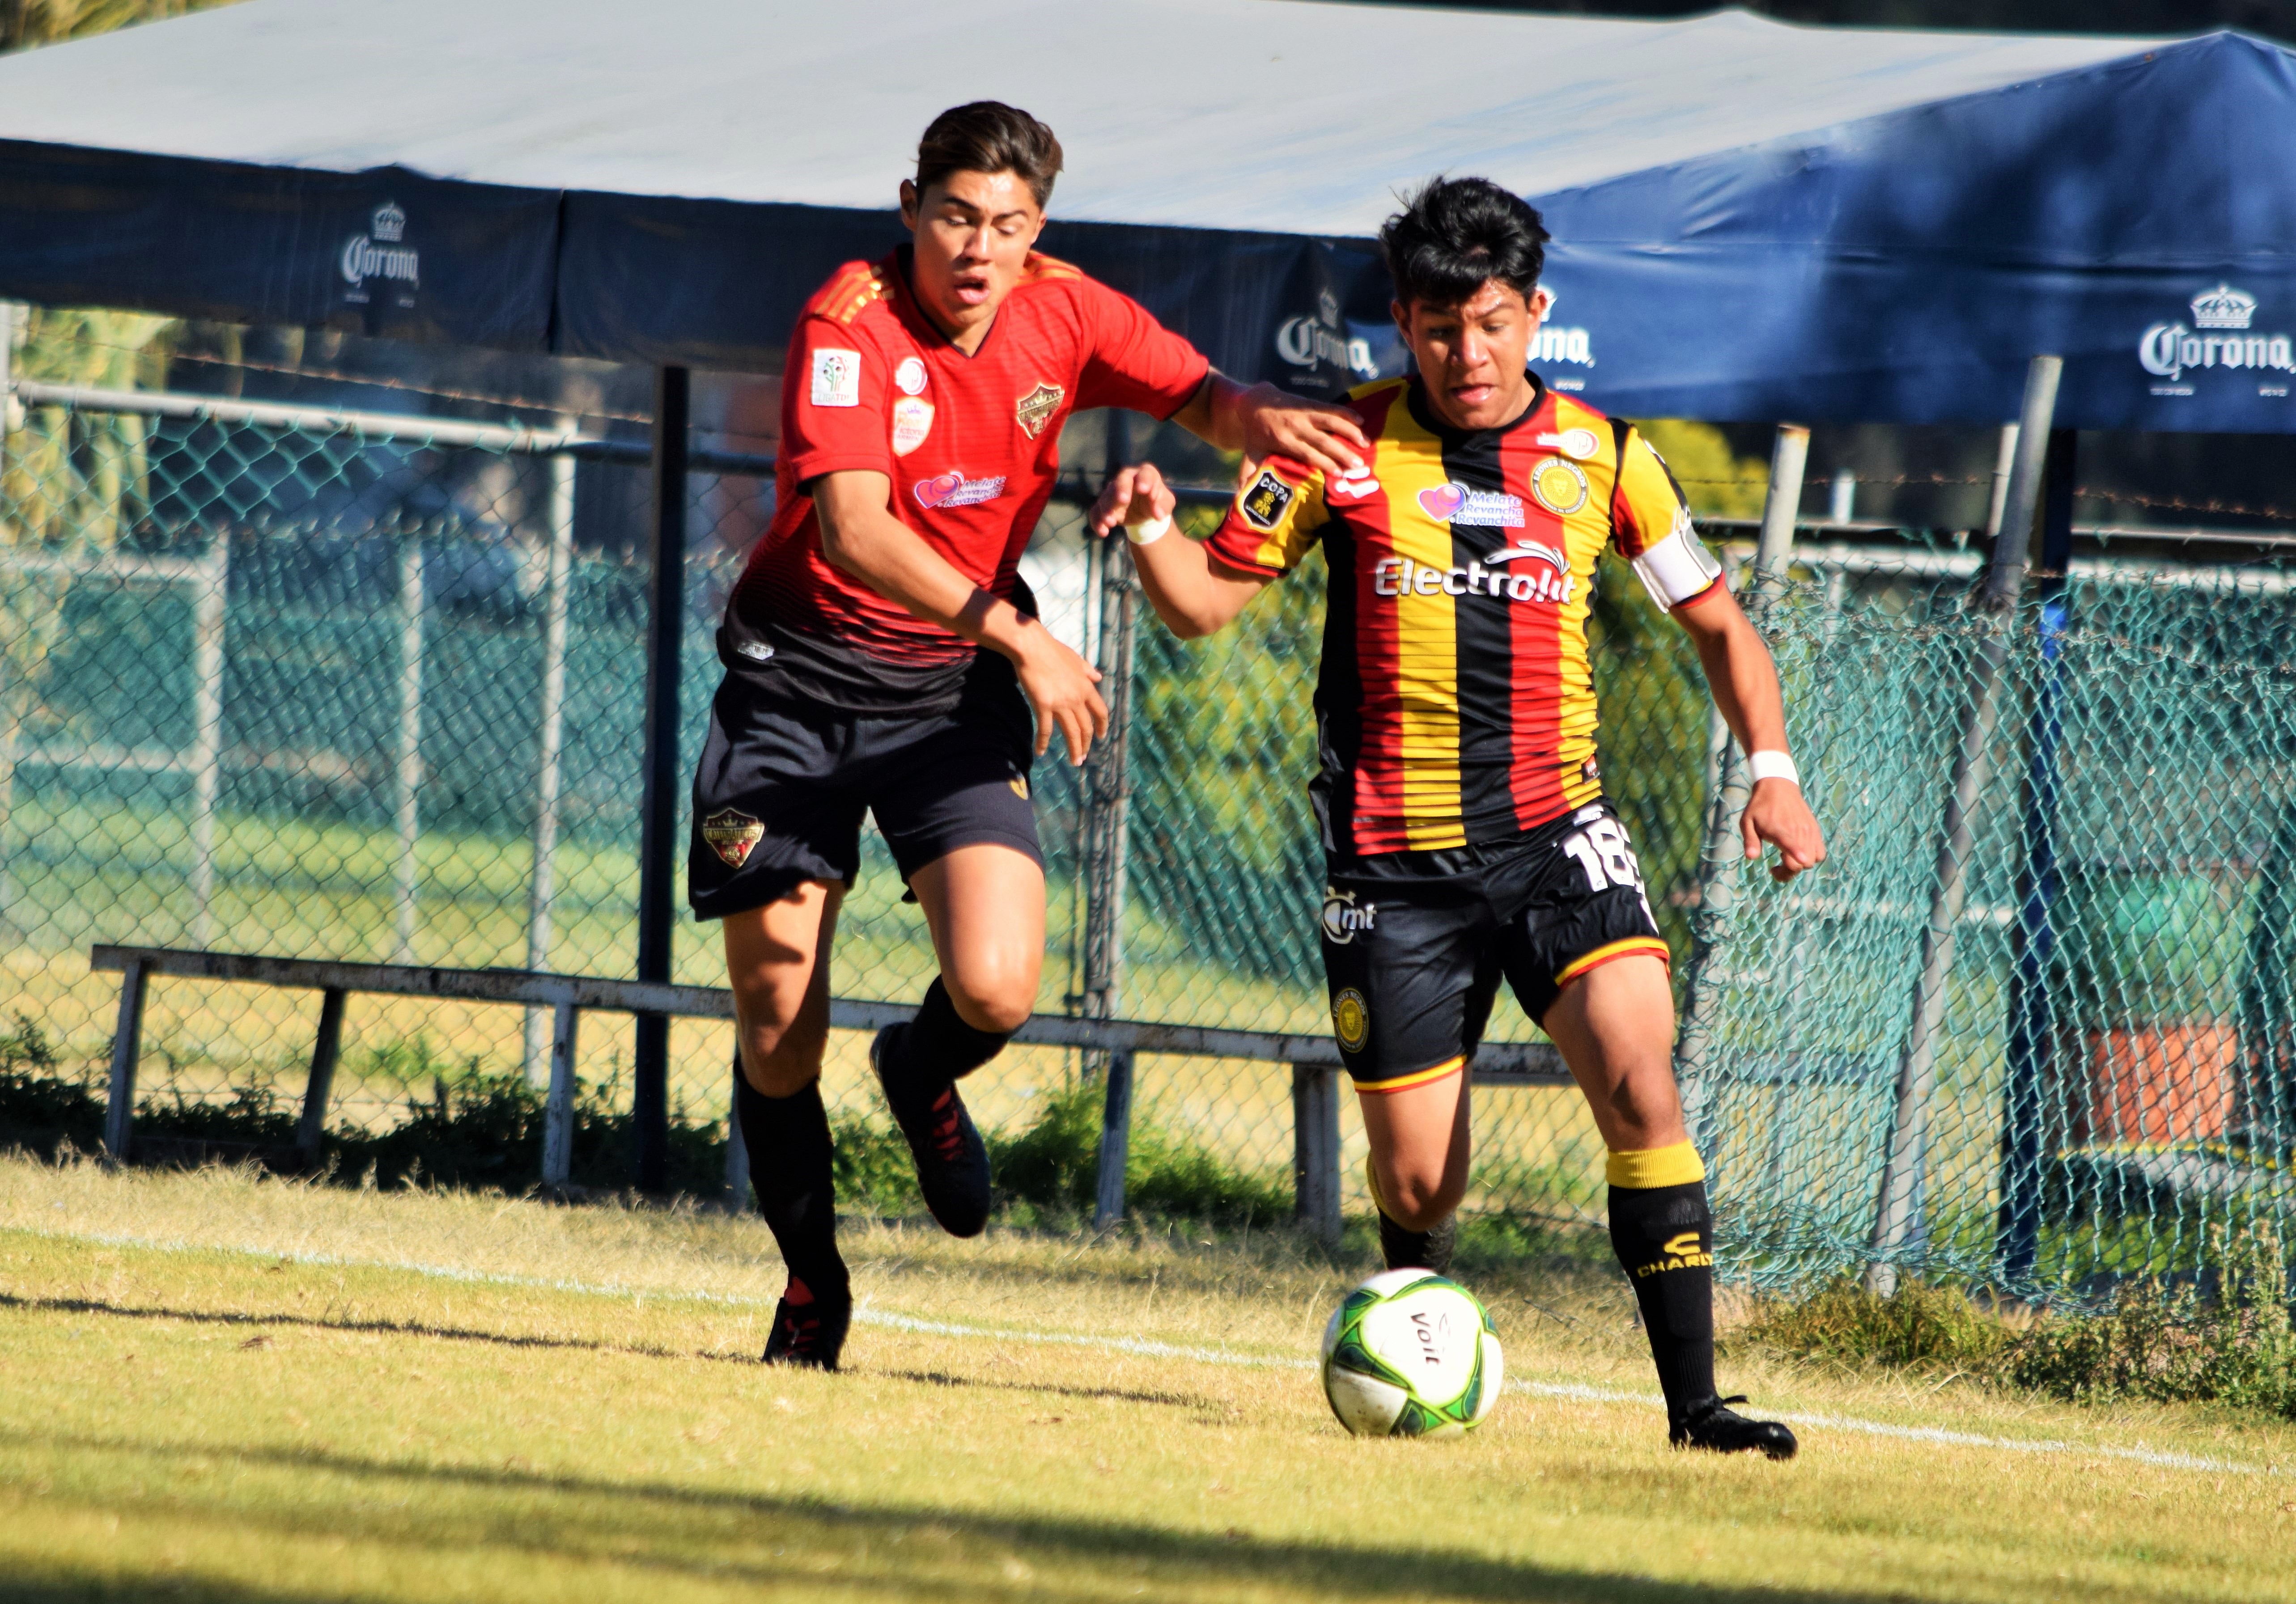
[
  {"x": 1752, "y": 221},
  {"x": 2137, "y": 218}
]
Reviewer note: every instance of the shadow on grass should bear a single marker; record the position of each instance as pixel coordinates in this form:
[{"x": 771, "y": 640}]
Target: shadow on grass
[
  {"x": 260, "y": 1322},
  {"x": 1104, "y": 1394},
  {"x": 395, "y": 1328},
  {"x": 713, "y": 1536}
]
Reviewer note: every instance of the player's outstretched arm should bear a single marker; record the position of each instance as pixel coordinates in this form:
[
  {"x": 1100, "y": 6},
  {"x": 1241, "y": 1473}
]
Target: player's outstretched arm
[
  {"x": 1262, "y": 421},
  {"x": 860, "y": 536},
  {"x": 1745, "y": 685},
  {"x": 1192, "y": 593}
]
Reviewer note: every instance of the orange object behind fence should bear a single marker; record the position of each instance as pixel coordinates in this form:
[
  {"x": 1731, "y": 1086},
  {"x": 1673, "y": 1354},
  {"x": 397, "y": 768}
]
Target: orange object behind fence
[{"x": 2153, "y": 1084}]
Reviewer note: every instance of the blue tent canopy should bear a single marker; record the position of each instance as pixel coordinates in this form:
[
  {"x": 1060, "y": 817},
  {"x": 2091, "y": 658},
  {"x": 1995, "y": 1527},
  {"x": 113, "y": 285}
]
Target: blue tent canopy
[{"x": 1753, "y": 220}]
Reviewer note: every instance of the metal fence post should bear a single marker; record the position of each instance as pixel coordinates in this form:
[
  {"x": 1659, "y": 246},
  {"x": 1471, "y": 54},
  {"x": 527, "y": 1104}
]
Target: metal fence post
[
  {"x": 126, "y": 1042},
  {"x": 408, "y": 772},
  {"x": 1115, "y": 1140},
  {"x": 1315, "y": 1150},
  {"x": 1897, "y": 1210},
  {"x": 2033, "y": 1013},
  {"x": 658, "y": 821},
  {"x": 1107, "y": 784},
  {"x": 12, "y": 695},
  {"x": 558, "y": 1107},
  {"x": 553, "y": 718},
  {"x": 737, "y": 1154},
  {"x": 208, "y": 612},
  {"x": 1107, "y": 776},
  {"x": 311, "y": 1129},
  {"x": 1725, "y": 798}
]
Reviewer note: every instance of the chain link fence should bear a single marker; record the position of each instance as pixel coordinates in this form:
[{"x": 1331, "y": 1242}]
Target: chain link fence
[
  {"x": 2109, "y": 1074},
  {"x": 343, "y": 692}
]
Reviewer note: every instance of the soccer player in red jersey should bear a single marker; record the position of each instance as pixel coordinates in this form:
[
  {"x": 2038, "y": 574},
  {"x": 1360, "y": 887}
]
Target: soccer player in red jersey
[
  {"x": 1464, "y": 826},
  {"x": 880, "y": 653}
]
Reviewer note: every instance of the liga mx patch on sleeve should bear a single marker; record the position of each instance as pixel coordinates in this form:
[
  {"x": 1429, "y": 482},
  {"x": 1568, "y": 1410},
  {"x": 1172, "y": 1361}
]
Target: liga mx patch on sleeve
[
  {"x": 836, "y": 377},
  {"x": 1264, "y": 504}
]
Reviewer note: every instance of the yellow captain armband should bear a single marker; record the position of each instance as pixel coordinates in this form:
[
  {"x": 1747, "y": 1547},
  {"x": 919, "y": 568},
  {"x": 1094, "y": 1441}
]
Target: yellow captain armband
[{"x": 1642, "y": 1168}]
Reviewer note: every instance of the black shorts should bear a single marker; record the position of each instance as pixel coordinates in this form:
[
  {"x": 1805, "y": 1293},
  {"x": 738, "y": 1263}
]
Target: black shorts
[
  {"x": 1414, "y": 943},
  {"x": 780, "y": 788}
]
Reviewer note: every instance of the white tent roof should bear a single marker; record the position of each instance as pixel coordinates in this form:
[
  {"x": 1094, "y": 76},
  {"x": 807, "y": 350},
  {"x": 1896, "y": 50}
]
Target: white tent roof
[{"x": 1287, "y": 115}]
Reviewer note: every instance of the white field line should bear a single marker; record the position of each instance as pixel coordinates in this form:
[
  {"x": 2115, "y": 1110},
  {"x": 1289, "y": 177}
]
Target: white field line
[{"x": 865, "y": 1315}]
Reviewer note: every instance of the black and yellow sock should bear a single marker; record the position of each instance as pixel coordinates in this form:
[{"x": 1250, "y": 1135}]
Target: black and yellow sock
[
  {"x": 1663, "y": 1233},
  {"x": 938, "y": 1046},
  {"x": 1406, "y": 1249},
  {"x": 792, "y": 1169}
]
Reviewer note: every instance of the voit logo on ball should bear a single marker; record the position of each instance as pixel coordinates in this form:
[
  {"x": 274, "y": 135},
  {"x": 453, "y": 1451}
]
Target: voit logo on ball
[
  {"x": 381, "y": 257},
  {"x": 2219, "y": 336}
]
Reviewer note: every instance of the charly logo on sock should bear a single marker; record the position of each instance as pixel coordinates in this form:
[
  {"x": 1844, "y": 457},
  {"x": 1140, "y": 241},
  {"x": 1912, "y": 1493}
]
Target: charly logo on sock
[{"x": 1683, "y": 1250}]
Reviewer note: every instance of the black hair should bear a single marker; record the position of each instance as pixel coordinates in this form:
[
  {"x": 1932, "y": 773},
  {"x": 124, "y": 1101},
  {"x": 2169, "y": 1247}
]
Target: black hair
[
  {"x": 989, "y": 136},
  {"x": 1454, "y": 234}
]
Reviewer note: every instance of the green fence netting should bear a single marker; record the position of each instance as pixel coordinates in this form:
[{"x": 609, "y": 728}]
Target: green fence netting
[{"x": 289, "y": 690}]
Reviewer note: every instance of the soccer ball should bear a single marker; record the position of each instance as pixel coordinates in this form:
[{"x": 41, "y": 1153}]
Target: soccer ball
[{"x": 1410, "y": 1353}]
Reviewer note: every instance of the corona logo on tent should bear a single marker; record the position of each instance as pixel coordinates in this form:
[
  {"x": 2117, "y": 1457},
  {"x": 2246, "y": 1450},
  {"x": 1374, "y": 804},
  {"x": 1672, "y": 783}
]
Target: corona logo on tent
[
  {"x": 2217, "y": 339},
  {"x": 1313, "y": 341},
  {"x": 381, "y": 253},
  {"x": 1559, "y": 342}
]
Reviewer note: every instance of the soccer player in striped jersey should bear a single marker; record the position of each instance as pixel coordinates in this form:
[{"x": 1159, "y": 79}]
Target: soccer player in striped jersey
[{"x": 1465, "y": 829}]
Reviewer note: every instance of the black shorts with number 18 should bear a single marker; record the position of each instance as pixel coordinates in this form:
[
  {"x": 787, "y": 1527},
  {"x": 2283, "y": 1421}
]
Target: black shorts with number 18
[{"x": 1416, "y": 943}]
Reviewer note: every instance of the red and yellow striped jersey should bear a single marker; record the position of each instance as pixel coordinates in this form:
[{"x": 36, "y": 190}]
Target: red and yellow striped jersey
[{"x": 1455, "y": 703}]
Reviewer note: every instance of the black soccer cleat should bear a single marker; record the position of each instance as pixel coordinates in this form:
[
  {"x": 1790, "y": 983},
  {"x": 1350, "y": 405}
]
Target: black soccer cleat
[
  {"x": 952, "y": 1160},
  {"x": 1717, "y": 1427},
  {"x": 811, "y": 1333}
]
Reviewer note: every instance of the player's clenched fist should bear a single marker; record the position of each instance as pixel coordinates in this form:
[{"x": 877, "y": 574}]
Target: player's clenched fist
[
  {"x": 1776, "y": 813},
  {"x": 1132, "y": 497}
]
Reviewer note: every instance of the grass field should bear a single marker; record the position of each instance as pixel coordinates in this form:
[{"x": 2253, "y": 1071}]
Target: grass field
[{"x": 214, "y": 1386}]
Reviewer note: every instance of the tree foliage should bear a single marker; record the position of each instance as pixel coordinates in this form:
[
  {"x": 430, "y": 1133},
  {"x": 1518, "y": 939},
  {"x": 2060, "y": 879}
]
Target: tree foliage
[{"x": 24, "y": 24}]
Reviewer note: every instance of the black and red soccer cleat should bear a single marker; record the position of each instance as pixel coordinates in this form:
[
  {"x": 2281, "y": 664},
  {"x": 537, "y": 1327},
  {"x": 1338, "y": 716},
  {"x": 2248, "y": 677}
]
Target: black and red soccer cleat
[
  {"x": 808, "y": 1330},
  {"x": 1717, "y": 1427},
  {"x": 952, "y": 1160}
]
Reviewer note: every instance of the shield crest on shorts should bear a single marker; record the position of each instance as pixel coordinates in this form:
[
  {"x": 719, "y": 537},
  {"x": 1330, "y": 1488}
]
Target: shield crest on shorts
[{"x": 732, "y": 834}]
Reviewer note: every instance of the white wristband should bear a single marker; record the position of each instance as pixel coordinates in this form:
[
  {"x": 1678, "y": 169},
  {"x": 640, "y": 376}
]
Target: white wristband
[
  {"x": 1772, "y": 766},
  {"x": 1148, "y": 533}
]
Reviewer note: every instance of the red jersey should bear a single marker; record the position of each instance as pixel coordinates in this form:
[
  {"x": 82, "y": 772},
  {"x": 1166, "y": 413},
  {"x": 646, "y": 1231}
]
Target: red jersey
[
  {"x": 1456, "y": 705},
  {"x": 969, "y": 443}
]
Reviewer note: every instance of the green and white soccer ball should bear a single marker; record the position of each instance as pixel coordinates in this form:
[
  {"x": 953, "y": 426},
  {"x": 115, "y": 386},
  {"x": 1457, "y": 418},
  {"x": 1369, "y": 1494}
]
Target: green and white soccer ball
[{"x": 1410, "y": 1353}]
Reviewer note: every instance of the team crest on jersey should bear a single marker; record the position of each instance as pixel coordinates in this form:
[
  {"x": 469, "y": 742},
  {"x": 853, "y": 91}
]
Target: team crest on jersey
[
  {"x": 1350, "y": 1019},
  {"x": 733, "y": 835},
  {"x": 1034, "y": 410},
  {"x": 1559, "y": 485},
  {"x": 912, "y": 421},
  {"x": 1263, "y": 504}
]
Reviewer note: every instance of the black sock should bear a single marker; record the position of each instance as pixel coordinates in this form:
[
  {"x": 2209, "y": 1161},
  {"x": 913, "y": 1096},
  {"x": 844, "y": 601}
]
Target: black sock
[
  {"x": 1664, "y": 1237},
  {"x": 938, "y": 1046},
  {"x": 791, "y": 1171}
]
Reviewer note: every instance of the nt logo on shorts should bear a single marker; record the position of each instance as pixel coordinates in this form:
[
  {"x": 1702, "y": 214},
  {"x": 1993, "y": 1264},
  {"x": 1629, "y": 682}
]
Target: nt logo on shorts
[
  {"x": 1343, "y": 916},
  {"x": 733, "y": 835}
]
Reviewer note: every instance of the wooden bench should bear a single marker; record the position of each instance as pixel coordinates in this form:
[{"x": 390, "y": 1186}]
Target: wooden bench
[{"x": 1314, "y": 1059}]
